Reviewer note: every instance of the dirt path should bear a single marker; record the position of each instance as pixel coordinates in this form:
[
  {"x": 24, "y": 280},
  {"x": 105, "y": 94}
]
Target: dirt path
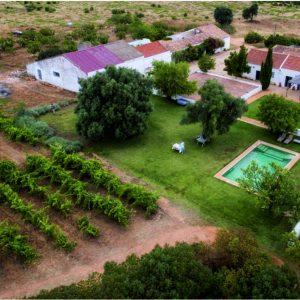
[{"x": 170, "y": 225}]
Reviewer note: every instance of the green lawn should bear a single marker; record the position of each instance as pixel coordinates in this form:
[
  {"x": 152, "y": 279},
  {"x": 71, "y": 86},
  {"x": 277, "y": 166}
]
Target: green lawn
[
  {"x": 188, "y": 179},
  {"x": 253, "y": 109}
]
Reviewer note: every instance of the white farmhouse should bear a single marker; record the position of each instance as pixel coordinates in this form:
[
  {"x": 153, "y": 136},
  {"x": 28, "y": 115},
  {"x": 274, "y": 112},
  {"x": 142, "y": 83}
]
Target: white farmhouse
[
  {"x": 154, "y": 51},
  {"x": 285, "y": 66},
  {"x": 65, "y": 70}
]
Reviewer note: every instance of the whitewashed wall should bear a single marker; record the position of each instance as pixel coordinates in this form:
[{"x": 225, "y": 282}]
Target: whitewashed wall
[
  {"x": 69, "y": 74},
  {"x": 286, "y": 72},
  {"x": 165, "y": 56}
]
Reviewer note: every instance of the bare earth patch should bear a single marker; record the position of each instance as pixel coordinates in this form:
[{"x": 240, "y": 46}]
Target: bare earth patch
[{"x": 55, "y": 267}]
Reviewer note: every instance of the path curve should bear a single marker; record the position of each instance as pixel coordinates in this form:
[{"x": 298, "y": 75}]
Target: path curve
[{"x": 190, "y": 234}]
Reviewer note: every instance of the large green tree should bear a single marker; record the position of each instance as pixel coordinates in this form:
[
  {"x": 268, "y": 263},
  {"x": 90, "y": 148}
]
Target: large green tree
[
  {"x": 236, "y": 64},
  {"x": 114, "y": 103},
  {"x": 266, "y": 70},
  {"x": 279, "y": 114},
  {"x": 274, "y": 187},
  {"x": 216, "y": 111},
  {"x": 250, "y": 12},
  {"x": 171, "y": 79},
  {"x": 223, "y": 15}
]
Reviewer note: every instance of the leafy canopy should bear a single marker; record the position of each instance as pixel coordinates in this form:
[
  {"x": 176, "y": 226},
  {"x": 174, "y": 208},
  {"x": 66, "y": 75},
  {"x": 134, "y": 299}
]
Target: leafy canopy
[
  {"x": 217, "y": 109},
  {"x": 279, "y": 114},
  {"x": 250, "y": 12},
  {"x": 223, "y": 15},
  {"x": 113, "y": 103},
  {"x": 236, "y": 64},
  {"x": 171, "y": 79},
  {"x": 206, "y": 63},
  {"x": 274, "y": 188}
]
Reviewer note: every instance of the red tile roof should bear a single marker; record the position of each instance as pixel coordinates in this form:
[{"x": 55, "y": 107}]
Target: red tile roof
[
  {"x": 211, "y": 30},
  {"x": 292, "y": 63},
  {"x": 151, "y": 49},
  {"x": 256, "y": 57},
  {"x": 295, "y": 51}
]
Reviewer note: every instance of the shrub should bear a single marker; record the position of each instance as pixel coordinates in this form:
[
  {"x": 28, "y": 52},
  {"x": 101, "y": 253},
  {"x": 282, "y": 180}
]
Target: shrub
[
  {"x": 66, "y": 145},
  {"x": 103, "y": 38},
  {"x": 206, "y": 63},
  {"x": 278, "y": 39},
  {"x": 227, "y": 28},
  {"x": 50, "y": 52},
  {"x": 253, "y": 37},
  {"x": 117, "y": 11},
  {"x": 279, "y": 114},
  {"x": 34, "y": 47},
  {"x": 6, "y": 44},
  {"x": 38, "y": 128},
  {"x": 223, "y": 15},
  {"x": 85, "y": 226},
  {"x": 86, "y": 10}
]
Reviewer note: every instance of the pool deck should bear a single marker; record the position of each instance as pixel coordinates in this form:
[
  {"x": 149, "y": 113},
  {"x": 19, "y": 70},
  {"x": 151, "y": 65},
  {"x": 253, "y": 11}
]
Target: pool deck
[{"x": 220, "y": 174}]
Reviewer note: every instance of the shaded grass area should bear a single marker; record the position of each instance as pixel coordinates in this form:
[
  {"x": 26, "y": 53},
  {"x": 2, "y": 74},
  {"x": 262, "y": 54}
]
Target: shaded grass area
[{"x": 189, "y": 179}]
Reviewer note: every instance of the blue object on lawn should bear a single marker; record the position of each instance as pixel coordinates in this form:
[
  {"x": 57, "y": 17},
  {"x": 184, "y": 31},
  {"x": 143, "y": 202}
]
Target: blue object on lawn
[{"x": 182, "y": 102}]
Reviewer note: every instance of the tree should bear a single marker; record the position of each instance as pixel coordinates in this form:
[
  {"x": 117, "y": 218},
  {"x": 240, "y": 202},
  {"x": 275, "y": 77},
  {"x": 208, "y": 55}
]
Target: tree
[
  {"x": 279, "y": 114},
  {"x": 217, "y": 109},
  {"x": 274, "y": 188},
  {"x": 171, "y": 79},
  {"x": 266, "y": 70},
  {"x": 113, "y": 103},
  {"x": 206, "y": 63},
  {"x": 250, "y": 12},
  {"x": 223, "y": 15},
  {"x": 236, "y": 64}
]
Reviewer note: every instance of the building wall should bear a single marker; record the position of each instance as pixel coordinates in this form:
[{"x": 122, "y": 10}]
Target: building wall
[
  {"x": 135, "y": 64},
  {"x": 278, "y": 77},
  {"x": 68, "y": 73},
  {"x": 165, "y": 56}
]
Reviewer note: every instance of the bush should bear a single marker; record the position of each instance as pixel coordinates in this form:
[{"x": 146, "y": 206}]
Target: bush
[
  {"x": 223, "y": 15},
  {"x": 34, "y": 47},
  {"x": 6, "y": 44},
  {"x": 86, "y": 10},
  {"x": 278, "y": 39},
  {"x": 117, "y": 11},
  {"x": 85, "y": 226},
  {"x": 50, "y": 52},
  {"x": 279, "y": 114},
  {"x": 67, "y": 145},
  {"x": 253, "y": 37},
  {"x": 103, "y": 38},
  {"x": 39, "y": 128},
  {"x": 227, "y": 28},
  {"x": 206, "y": 63}
]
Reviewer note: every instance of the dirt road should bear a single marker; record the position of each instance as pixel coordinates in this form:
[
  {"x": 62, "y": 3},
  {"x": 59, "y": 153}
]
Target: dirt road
[{"x": 170, "y": 225}]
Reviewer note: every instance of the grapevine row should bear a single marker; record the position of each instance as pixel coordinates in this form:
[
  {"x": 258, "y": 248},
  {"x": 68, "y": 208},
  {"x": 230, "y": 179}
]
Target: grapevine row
[
  {"x": 36, "y": 217},
  {"x": 113, "y": 208},
  {"x": 92, "y": 168},
  {"x": 17, "y": 134},
  {"x": 11, "y": 241},
  {"x": 18, "y": 180}
]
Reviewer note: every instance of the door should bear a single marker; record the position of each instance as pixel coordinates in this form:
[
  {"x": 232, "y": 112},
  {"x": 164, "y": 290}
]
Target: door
[
  {"x": 39, "y": 74},
  {"x": 287, "y": 79},
  {"x": 257, "y": 76}
]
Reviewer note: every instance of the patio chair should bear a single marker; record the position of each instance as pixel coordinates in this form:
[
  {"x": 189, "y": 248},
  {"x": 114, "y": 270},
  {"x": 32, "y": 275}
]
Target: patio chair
[
  {"x": 288, "y": 139},
  {"x": 201, "y": 139},
  {"x": 281, "y": 138}
]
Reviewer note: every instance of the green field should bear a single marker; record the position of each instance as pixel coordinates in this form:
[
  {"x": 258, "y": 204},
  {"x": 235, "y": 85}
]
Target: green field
[{"x": 188, "y": 179}]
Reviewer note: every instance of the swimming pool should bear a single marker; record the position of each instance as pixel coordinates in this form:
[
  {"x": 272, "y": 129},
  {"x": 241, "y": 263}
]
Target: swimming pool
[{"x": 261, "y": 152}]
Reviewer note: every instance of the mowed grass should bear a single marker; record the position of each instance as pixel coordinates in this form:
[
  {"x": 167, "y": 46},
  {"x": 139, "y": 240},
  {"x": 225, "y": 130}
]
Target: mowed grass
[
  {"x": 188, "y": 179},
  {"x": 253, "y": 109}
]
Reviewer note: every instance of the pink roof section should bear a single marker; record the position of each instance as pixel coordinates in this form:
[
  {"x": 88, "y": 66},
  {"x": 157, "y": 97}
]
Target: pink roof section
[
  {"x": 280, "y": 60},
  {"x": 151, "y": 49},
  {"x": 92, "y": 59},
  {"x": 189, "y": 38},
  {"x": 256, "y": 57}
]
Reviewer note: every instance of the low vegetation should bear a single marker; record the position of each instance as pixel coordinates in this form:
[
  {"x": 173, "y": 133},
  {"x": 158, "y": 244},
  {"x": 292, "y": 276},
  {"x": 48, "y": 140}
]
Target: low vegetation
[{"x": 253, "y": 37}]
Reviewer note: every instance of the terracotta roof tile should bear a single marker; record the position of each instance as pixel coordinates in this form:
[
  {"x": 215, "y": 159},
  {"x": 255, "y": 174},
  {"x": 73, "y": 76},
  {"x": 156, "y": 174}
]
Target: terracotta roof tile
[
  {"x": 256, "y": 57},
  {"x": 292, "y": 63},
  {"x": 151, "y": 49},
  {"x": 295, "y": 51}
]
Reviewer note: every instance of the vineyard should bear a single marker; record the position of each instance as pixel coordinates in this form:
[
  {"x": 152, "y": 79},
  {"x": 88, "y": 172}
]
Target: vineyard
[{"x": 59, "y": 185}]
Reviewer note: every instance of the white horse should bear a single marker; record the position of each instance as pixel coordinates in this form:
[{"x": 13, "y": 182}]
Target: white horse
[{"x": 179, "y": 147}]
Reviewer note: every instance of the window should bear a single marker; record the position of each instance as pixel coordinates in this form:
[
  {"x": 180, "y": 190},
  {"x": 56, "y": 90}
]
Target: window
[
  {"x": 39, "y": 74},
  {"x": 273, "y": 74},
  {"x": 56, "y": 74}
]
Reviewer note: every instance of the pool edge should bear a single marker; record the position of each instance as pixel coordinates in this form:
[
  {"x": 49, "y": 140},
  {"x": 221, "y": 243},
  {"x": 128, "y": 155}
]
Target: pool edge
[{"x": 220, "y": 174}]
